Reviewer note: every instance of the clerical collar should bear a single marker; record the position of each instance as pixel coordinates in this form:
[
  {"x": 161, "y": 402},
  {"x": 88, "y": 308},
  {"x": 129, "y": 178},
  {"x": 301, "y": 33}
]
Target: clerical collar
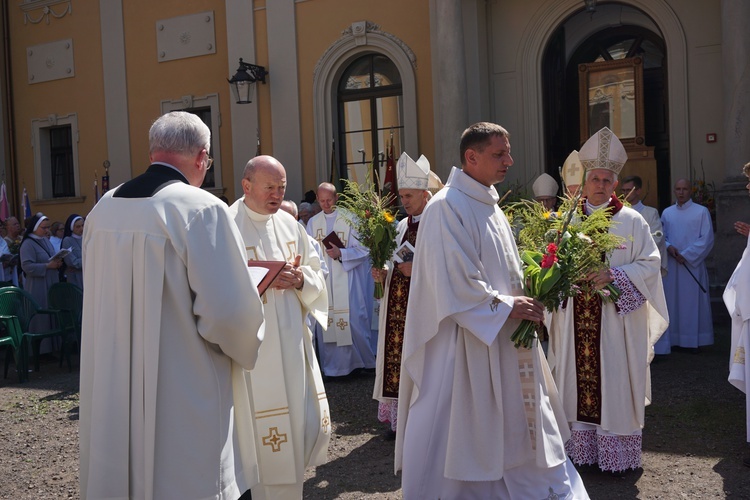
[
  {"x": 330, "y": 216},
  {"x": 415, "y": 218},
  {"x": 170, "y": 166},
  {"x": 471, "y": 188},
  {"x": 253, "y": 214},
  {"x": 685, "y": 205},
  {"x": 638, "y": 207},
  {"x": 614, "y": 203}
]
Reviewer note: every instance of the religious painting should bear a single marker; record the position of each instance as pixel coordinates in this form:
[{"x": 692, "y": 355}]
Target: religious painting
[{"x": 611, "y": 95}]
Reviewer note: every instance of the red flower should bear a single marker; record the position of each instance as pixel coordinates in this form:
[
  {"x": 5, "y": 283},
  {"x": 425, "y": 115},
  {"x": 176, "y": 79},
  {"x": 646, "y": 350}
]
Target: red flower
[
  {"x": 552, "y": 249},
  {"x": 549, "y": 259},
  {"x": 367, "y": 214}
]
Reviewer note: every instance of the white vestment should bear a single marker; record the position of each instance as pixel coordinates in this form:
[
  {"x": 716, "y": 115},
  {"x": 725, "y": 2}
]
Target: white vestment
[
  {"x": 737, "y": 300},
  {"x": 292, "y": 420},
  {"x": 626, "y": 341},
  {"x": 689, "y": 229},
  {"x": 337, "y": 359},
  {"x": 477, "y": 418},
  {"x": 170, "y": 319},
  {"x": 651, "y": 215}
]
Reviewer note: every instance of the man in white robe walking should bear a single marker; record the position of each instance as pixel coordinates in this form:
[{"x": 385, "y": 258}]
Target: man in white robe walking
[
  {"x": 477, "y": 418},
  {"x": 171, "y": 319},
  {"x": 292, "y": 420},
  {"x": 600, "y": 351},
  {"x": 737, "y": 300},
  {"x": 689, "y": 236},
  {"x": 348, "y": 343}
]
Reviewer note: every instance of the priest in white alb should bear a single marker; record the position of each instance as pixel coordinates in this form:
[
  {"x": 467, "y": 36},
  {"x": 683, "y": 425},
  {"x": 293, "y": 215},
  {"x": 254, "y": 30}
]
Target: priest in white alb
[
  {"x": 600, "y": 352},
  {"x": 631, "y": 188},
  {"x": 413, "y": 180},
  {"x": 290, "y": 408},
  {"x": 477, "y": 418},
  {"x": 346, "y": 345},
  {"x": 171, "y": 319},
  {"x": 689, "y": 235},
  {"x": 737, "y": 300}
]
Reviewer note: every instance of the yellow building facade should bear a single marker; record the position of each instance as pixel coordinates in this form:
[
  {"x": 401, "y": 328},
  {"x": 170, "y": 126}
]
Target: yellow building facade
[{"x": 84, "y": 79}]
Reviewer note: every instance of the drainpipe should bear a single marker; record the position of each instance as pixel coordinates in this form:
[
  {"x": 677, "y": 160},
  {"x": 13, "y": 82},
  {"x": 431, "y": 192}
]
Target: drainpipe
[{"x": 11, "y": 176}]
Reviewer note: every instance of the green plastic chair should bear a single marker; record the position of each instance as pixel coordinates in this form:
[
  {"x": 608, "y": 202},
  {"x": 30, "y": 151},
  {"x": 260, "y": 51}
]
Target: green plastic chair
[
  {"x": 68, "y": 299},
  {"x": 12, "y": 342},
  {"x": 19, "y": 308}
]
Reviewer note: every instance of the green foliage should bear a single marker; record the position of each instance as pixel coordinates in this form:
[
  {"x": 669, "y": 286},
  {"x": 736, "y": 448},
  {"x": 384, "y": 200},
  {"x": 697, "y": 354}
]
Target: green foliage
[
  {"x": 559, "y": 250},
  {"x": 371, "y": 217}
]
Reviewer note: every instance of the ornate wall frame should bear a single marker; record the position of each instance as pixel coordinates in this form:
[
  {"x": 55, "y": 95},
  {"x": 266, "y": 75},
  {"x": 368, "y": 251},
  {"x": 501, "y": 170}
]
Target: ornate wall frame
[{"x": 611, "y": 94}]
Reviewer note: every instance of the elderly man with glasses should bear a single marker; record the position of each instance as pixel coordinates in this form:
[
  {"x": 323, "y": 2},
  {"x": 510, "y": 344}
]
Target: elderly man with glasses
[{"x": 164, "y": 408}]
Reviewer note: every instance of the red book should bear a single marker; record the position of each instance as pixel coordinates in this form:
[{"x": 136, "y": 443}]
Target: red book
[
  {"x": 265, "y": 272},
  {"x": 332, "y": 240}
]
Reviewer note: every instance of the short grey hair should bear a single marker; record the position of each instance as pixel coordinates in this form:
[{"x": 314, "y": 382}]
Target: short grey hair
[
  {"x": 179, "y": 132},
  {"x": 614, "y": 175}
]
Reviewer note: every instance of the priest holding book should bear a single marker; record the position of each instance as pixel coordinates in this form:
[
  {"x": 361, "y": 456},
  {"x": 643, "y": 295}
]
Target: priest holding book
[
  {"x": 413, "y": 179},
  {"x": 345, "y": 345},
  {"x": 290, "y": 408}
]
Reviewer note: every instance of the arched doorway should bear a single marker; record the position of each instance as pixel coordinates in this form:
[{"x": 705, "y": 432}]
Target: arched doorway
[
  {"x": 562, "y": 107},
  {"x": 370, "y": 119}
]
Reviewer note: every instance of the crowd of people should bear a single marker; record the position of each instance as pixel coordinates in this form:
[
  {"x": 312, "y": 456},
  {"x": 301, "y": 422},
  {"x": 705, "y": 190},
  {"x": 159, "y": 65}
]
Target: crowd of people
[
  {"x": 32, "y": 259},
  {"x": 196, "y": 383}
]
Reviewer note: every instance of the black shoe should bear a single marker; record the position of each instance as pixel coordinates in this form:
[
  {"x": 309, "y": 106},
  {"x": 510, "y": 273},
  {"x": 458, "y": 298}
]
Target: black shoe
[{"x": 389, "y": 435}]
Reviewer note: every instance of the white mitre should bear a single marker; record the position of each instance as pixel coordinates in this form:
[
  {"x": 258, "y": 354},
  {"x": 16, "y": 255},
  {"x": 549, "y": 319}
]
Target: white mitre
[
  {"x": 603, "y": 150},
  {"x": 572, "y": 171},
  {"x": 412, "y": 174},
  {"x": 545, "y": 186}
]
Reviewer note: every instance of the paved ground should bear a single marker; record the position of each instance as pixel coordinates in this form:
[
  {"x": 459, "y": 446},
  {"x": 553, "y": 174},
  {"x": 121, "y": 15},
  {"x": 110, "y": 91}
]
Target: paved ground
[{"x": 694, "y": 439}]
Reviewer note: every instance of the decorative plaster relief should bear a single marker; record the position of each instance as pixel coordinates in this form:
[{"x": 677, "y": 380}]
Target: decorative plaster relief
[
  {"x": 34, "y": 11},
  {"x": 357, "y": 32},
  {"x": 185, "y": 36},
  {"x": 50, "y": 61}
]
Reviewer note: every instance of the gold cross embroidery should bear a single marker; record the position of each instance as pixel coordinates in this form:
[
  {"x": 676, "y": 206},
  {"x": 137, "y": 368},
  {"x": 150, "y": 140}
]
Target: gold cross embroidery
[
  {"x": 274, "y": 439},
  {"x": 319, "y": 235},
  {"x": 341, "y": 323},
  {"x": 326, "y": 421},
  {"x": 330, "y": 321}
]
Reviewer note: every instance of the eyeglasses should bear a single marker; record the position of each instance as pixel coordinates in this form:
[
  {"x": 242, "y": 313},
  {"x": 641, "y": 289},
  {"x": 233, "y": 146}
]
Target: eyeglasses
[{"x": 209, "y": 161}]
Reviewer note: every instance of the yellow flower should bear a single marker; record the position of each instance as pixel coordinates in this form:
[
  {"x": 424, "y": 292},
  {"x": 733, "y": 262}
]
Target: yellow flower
[
  {"x": 389, "y": 217},
  {"x": 546, "y": 215}
]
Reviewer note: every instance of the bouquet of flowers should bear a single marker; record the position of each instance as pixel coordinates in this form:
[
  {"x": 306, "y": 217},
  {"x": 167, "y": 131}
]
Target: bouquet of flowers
[
  {"x": 370, "y": 215},
  {"x": 560, "y": 250}
]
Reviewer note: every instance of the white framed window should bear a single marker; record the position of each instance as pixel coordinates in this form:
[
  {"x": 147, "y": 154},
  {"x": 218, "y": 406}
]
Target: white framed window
[
  {"x": 361, "y": 40},
  {"x": 207, "y": 109},
  {"x": 55, "y": 143}
]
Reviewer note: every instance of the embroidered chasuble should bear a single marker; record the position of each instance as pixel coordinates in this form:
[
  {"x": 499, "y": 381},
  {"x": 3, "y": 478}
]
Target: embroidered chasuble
[
  {"x": 339, "y": 325},
  {"x": 290, "y": 406},
  {"x": 600, "y": 355},
  {"x": 392, "y": 320}
]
